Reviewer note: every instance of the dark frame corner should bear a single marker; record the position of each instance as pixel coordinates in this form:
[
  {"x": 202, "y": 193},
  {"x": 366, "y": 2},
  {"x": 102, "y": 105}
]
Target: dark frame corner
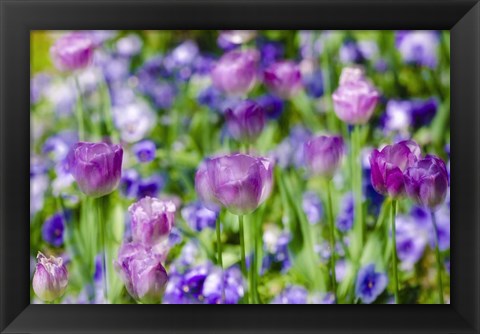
[{"x": 18, "y": 17}]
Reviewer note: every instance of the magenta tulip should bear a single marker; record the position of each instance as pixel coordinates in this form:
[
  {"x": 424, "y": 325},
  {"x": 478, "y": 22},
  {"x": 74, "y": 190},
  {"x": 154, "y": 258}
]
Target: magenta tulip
[
  {"x": 426, "y": 181},
  {"x": 239, "y": 182},
  {"x": 152, "y": 220},
  {"x": 96, "y": 167},
  {"x": 355, "y": 99},
  {"x": 283, "y": 78},
  {"x": 50, "y": 279},
  {"x": 246, "y": 121},
  {"x": 142, "y": 273},
  {"x": 72, "y": 51},
  {"x": 323, "y": 155},
  {"x": 236, "y": 72},
  {"x": 389, "y": 164}
]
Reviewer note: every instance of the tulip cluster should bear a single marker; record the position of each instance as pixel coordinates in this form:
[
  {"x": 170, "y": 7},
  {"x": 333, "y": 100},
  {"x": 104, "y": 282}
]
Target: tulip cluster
[{"x": 240, "y": 167}]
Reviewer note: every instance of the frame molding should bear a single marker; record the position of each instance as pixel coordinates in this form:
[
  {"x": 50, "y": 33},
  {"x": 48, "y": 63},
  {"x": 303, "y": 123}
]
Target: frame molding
[{"x": 18, "y": 17}]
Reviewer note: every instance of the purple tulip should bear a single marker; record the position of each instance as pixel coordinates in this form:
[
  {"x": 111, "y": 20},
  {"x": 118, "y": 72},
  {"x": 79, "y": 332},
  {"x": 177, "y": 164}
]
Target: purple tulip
[
  {"x": 236, "y": 72},
  {"x": 246, "y": 121},
  {"x": 142, "y": 273},
  {"x": 283, "y": 78},
  {"x": 152, "y": 220},
  {"x": 426, "y": 181},
  {"x": 355, "y": 99},
  {"x": 238, "y": 182},
  {"x": 370, "y": 284},
  {"x": 323, "y": 154},
  {"x": 144, "y": 150},
  {"x": 50, "y": 279},
  {"x": 96, "y": 167},
  {"x": 72, "y": 51},
  {"x": 389, "y": 164}
]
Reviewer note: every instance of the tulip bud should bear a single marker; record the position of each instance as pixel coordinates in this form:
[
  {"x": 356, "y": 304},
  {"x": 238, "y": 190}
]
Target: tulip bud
[
  {"x": 142, "y": 273},
  {"x": 426, "y": 181},
  {"x": 96, "y": 167},
  {"x": 323, "y": 154},
  {"x": 152, "y": 220},
  {"x": 50, "y": 279},
  {"x": 283, "y": 78},
  {"x": 355, "y": 99},
  {"x": 389, "y": 164},
  {"x": 246, "y": 121},
  {"x": 239, "y": 182},
  {"x": 236, "y": 72},
  {"x": 72, "y": 51}
]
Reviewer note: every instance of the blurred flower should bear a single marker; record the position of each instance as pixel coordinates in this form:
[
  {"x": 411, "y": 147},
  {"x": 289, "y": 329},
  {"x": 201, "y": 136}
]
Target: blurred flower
[
  {"x": 235, "y": 73},
  {"x": 400, "y": 115},
  {"x": 129, "y": 183},
  {"x": 292, "y": 295},
  {"x": 355, "y": 99},
  {"x": 72, "y": 51},
  {"x": 115, "y": 69},
  {"x": 370, "y": 284},
  {"x": 210, "y": 97},
  {"x": 426, "y": 181},
  {"x": 96, "y": 167},
  {"x": 134, "y": 120},
  {"x": 230, "y": 280},
  {"x": 38, "y": 84},
  {"x": 239, "y": 182},
  {"x": 187, "y": 287},
  {"x": 345, "y": 217},
  {"x": 313, "y": 83},
  {"x": 141, "y": 272},
  {"x": 198, "y": 217},
  {"x": 418, "y": 47},
  {"x": 245, "y": 122},
  {"x": 39, "y": 183},
  {"x": 389, "y": 164},
  {"x": 411, "y": 241},
  {"x": 152, "y": 220},
  {"x": 312, "y": 206},
  {"x": 145, "y": 150},
  {"x": 290, "y": 152},
  {"x": 150, "y": 186},
  {"x": 58, "y": 146},
  {"x": 63, "y": 96},
  {"x": 276, "y": 245},
  {"x": 350, "y": 53},
  {"x": 272, "y": 105},
  {"x": 129, "y": 45},
  {"x": 182, "y": 56},
  {"x": 270, "y": 52},
  {"x": 237, "y": 36},
  {"x": 311, "y": 43},
  {"x": 53, "y": 228},
  {"x": 323, "y": 155},
  {"x": 322, "y": 298},
  {"x": 50, "y": 279},
  {"x": 283, "y": 78}
]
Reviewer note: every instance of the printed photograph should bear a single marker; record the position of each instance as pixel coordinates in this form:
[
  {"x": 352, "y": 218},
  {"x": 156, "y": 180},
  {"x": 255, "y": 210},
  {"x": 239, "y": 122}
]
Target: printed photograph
[{"x": 240, "y": 167}]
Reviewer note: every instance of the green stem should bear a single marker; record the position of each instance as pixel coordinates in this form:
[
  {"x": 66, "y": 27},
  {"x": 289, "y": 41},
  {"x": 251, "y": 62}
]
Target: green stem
[
  {"x": 356, "y": 173},
  {"x": 242, "y": 251},
  {"x": 219, "y": 253},
  {"x": 102, "y": 222},
  {"x": 439, "y": 262},
  {"x": 394, "y": 247},
  {"x": 332, "y": 240},
  {"x": 254, "y": 267},
  {"x": 79, "y": 111}
]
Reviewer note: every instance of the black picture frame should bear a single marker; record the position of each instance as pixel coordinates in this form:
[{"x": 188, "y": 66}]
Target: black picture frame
[{"x": 18, "y": 17}]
